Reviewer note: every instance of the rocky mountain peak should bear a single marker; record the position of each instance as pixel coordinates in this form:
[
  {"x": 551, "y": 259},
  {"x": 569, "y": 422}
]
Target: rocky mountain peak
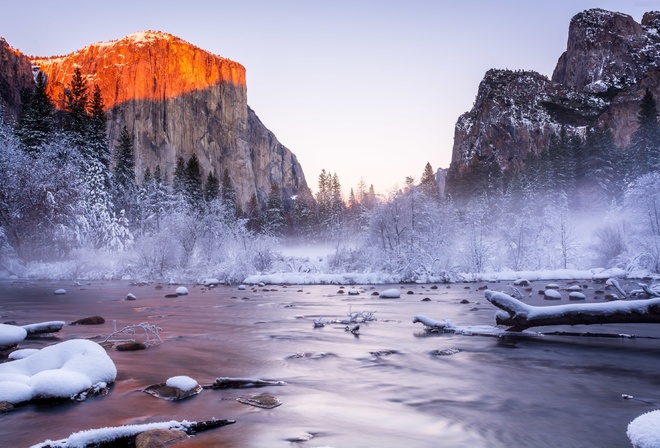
[{"x": 606, "y": 51}]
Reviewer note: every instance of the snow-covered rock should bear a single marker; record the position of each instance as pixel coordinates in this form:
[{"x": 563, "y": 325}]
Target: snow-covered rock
[
  {"x": 521, "y": 282},
  {"x": 574, "y": 295},
  {"x": 551, "y": 294},
  {"x": 130, "y": 296},
  {"x": 390, "y": 294},
  {"x": 644, "y": 431},
  {"x": 58, "y": 371},
  {"x": 242, "y": 287},
  {"x": 353, "y": 292},
  {"x": 552, "y": 286},
  {"x": 182, "y": 290},
  {"x": 181, "y": 382},
  {"x": 211, "y": 282},
  {"x": 60, "y": 292},
  {"x": 11, "y": 334}
]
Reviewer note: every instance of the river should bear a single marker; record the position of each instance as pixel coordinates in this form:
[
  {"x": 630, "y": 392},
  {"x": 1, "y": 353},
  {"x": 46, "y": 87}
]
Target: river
[{"x": 385, "y": 387}]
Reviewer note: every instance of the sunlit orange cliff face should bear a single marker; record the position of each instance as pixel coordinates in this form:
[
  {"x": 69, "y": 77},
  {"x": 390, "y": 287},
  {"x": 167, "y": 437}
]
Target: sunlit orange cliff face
[{"x": 141, "y": 66}]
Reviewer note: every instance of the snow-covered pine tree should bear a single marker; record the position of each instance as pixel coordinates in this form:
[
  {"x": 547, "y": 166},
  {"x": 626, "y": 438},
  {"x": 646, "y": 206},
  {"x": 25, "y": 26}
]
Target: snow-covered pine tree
[{"x": 35, "y": 121}]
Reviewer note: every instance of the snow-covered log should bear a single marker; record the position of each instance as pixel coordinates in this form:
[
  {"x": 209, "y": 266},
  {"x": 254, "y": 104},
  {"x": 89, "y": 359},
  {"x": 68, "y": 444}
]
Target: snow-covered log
[
  {"x": 520, "y": 316},
  {"x": 125, "y": 435},
  {"x": 44, "y": 327}
]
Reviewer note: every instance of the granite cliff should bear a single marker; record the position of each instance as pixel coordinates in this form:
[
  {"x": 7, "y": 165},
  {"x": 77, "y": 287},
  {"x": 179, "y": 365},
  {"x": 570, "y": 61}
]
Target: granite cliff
[
  {"x": 177, "y": 99},
  {"x": 15, "y": 76},
  {"x": 609, "y": 62}
]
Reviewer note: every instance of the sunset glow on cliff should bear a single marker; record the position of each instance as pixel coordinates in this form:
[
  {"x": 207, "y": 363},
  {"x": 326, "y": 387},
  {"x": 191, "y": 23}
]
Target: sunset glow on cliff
[{"x": 142, "y": 66}]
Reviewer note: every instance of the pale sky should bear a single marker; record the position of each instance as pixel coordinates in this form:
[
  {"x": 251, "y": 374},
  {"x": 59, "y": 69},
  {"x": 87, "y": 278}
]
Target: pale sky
[{"x": 367, "y": 88}]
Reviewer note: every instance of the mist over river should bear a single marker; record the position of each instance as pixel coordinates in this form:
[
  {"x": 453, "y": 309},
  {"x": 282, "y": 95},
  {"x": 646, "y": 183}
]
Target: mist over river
[{"x": 386, "y": 387}]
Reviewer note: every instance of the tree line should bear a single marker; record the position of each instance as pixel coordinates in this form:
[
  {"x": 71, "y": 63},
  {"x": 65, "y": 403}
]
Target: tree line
[{"x": 69, "y": 191}]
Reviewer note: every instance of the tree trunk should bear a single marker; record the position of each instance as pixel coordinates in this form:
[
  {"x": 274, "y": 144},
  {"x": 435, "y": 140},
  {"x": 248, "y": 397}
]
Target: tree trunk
[{"x": 520, "y": 316}]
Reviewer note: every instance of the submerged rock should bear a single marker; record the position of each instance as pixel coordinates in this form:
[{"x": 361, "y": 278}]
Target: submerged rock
[
  {"x": 265, "y": 401},
  {"x": 130, "y": 346},
  {"x": 159, "y": 438}
]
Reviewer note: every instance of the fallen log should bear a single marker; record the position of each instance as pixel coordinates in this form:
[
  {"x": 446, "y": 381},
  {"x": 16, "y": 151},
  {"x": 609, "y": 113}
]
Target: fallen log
[
  {"x": 519, "y": 316},
  {"x": 44, "y": 327},
  {"x": 648, "y": 290},
  {"x": 125, "y": 435}
]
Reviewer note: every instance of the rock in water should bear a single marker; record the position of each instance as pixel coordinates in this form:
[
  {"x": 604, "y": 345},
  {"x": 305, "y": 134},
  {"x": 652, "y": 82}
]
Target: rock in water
[
  {"x": 92, "y": 320},
  {"x": 265, "y": 401},
  {"x": 162, "y": 390},
  {"x": 159, "y": 438},
  {"x": 182, "y": 290}
]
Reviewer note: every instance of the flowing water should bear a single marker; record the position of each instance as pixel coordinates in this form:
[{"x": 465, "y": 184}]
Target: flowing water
[{"x": 386, "y": 387}]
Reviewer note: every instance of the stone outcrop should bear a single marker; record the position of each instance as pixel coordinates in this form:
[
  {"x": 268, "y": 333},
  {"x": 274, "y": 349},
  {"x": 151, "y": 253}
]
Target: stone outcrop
[
  {"x": 178, "y": 100},
  {"x": 15, "y": 76},
  {"x": 609, "y": 62}
]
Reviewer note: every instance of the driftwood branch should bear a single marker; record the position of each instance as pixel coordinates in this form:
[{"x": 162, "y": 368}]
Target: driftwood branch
[{"x": 519, "y": 316}]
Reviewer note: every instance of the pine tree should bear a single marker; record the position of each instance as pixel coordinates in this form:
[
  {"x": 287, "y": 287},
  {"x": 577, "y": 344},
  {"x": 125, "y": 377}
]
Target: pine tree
[
  {"x": 77, "y": 118},
  {"x": 252, "y": 214},
  {"x": 273, "y": 218},
  {"x": 179, "y": 181},
  {"x": 193, "y": 182},
  {"x": 125, "y": 186},
  {"x": 35, "y": 122},
  {"x": 98, "y": 139},
  {"x": 645, "y": 148},
  {"x": 428, "y": 183},
  {"x": 228, "y": 191},
  {"x": 211, "y": 188}
]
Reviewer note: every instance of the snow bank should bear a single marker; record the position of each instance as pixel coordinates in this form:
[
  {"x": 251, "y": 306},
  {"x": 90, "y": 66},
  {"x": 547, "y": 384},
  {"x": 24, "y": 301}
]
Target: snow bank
[
  {"x": 182, "y": 382},
  {"x": 549, "y": 274},
  {"x": 58, "y": 371},
  {"x": 11, "y": 334},
  {"x": 644, "y": 431},
  {"x": 317, "y": 278}
]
